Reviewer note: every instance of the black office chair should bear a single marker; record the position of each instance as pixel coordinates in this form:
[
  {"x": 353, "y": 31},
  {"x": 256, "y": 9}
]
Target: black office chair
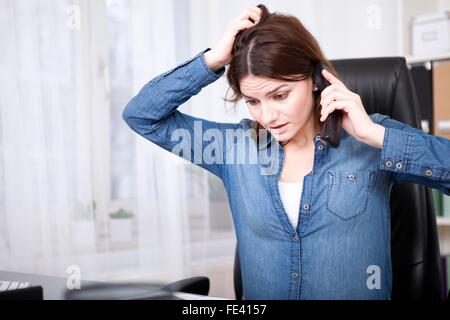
[{"x": 385, "y": 86}]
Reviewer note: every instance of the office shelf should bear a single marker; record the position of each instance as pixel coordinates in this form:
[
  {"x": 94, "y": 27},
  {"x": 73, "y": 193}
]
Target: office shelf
[
  {"x": 443, "y": 221},
  {"x": 427, "y": 58},
  {"x": 444, "y": 235}
]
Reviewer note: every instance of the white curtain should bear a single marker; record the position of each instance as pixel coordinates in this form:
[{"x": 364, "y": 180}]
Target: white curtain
[
  {"x": 46, "y": 125},
  {"x": 161, "y": 199},
  {"x": 67, "y": 159},
  {"x": 180, "y": 233}
]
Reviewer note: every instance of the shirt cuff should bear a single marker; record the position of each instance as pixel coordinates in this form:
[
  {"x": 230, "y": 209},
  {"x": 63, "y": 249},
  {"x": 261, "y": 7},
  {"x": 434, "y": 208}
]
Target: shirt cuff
[
  {"x": 200, "y": 73},
  {"x": 396, "y": 149}
]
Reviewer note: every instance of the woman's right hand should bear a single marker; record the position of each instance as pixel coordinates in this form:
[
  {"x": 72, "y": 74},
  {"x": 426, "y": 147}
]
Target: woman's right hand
[{"x": 220, "y": 55}]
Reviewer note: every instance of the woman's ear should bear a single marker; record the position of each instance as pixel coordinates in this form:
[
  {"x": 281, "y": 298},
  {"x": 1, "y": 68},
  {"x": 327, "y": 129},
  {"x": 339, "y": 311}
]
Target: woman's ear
[{"x": 314, "y": 85}]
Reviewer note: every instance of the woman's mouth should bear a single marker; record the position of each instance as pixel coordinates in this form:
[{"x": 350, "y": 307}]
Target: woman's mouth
[{"x": 279, "y": 128}]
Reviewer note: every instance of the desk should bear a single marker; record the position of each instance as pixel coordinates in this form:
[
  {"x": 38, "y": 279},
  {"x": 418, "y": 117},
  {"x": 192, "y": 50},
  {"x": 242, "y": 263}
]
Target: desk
[
  {"x": 55, "y": 287},
  {"x": 190, "y": 296}
]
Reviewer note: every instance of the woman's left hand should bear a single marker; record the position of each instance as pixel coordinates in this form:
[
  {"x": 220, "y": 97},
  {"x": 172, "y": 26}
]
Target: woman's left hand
[{"x": 355, "y": 119}]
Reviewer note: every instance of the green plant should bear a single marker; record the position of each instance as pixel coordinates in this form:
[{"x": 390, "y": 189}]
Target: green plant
[
  {"x": 84, "y": 212},
  {"x": 121, "y": 214}
]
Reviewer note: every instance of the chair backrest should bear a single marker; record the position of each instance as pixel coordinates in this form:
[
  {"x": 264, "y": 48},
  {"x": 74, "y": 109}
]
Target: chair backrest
[{"x": 385, "y": 86}]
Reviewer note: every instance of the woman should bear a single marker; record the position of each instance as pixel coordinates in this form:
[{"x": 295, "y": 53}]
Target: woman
[{"x": 312, "y": 221}]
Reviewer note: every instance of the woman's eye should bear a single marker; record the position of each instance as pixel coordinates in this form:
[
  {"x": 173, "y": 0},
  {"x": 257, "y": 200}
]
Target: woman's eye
[
  {"x": 276, "y": 97},
  {"x": 282, "y": 96}
]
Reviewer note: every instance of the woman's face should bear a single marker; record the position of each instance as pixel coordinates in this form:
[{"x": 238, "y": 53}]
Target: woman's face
[{"x": 274, "y": 103}]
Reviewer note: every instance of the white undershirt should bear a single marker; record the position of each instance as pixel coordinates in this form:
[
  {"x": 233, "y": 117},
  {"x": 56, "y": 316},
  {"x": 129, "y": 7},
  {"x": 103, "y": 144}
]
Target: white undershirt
[{"x": 291, "y": 193}]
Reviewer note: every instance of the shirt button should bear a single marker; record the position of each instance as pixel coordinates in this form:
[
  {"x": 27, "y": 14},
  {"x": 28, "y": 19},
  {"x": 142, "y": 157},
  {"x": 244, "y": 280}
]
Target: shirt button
[
  {"x": 318, "y": 138},
  {"x": 351, "y": 177},
  {"x": 428, "y": 172},
  {"x": 306, "y": 207},
  {"x": 295, "y": 237},
  {"x": 389, "y": 163},
  {"x": 320, "y": 147},
  {"x": 399, "y": 165},
  {"x": 294, "y": 275}
]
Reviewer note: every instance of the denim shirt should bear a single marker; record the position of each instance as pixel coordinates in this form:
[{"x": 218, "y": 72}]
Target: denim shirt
[{"x": 340, "y": 248}]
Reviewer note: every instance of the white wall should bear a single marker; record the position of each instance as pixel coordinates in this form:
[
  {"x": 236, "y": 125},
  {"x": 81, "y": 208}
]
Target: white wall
[
  {"x": 344, "y": 28},
  {"x": 348, "y": 28},
  {"x": 444, "y": 5},
  {"x": 410, "y": 9}
]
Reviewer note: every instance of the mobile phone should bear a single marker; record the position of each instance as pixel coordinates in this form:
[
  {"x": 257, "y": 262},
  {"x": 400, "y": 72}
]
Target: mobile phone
[{"x": 331, "y": 128}]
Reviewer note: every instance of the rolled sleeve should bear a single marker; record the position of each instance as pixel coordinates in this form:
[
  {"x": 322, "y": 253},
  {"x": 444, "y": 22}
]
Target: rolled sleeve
[
  {"x": 396, "y": 150},
  {"x": 200, "y": 73},
  {"x": 153, "y": 113},
  {"x": 414, "y": 156}
]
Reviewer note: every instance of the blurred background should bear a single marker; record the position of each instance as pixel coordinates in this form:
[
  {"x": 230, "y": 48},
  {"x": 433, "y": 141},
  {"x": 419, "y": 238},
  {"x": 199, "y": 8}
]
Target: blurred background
[{"x": 79, "y": 188}]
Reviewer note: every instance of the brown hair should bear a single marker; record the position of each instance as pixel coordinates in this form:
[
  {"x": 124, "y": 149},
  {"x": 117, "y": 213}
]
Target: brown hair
[{"x": 278, "y": 47}]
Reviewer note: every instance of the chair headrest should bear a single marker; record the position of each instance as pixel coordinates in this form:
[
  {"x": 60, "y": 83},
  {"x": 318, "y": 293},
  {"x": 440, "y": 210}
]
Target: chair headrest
[{"x": 384, "y": 84}]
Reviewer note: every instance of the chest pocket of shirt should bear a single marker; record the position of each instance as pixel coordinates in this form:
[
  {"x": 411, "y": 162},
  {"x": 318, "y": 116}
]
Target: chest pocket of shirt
[{"x": 349, "y": 191}]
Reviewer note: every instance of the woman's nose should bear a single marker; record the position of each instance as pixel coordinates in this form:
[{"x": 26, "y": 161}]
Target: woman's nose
[{"x": 269, "y": 116}]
